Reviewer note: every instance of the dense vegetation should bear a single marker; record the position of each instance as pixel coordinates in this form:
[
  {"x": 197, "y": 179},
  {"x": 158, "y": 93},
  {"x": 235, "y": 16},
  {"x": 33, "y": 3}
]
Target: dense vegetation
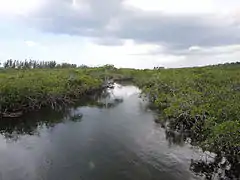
[
  {"x": 27, "y": 85},
  {"x": 204, "y": 104},
  {"x": 22, "y": 90}
]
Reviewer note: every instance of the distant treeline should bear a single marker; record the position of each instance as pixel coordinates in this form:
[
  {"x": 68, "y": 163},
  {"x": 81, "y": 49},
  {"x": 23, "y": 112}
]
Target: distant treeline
[
  {"x": 229, "y": 64},
  {"x": 33, "y": 64},
  {"x": 157, "y": 68}
]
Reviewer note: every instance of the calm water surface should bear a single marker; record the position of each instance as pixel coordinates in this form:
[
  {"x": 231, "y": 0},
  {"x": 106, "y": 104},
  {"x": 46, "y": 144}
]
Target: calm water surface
[{"x": 118, "y": 140}]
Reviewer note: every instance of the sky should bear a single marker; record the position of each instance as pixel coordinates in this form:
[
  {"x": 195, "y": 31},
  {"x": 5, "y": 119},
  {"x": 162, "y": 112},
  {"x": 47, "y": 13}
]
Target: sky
[{"x": 125, "y": 33}]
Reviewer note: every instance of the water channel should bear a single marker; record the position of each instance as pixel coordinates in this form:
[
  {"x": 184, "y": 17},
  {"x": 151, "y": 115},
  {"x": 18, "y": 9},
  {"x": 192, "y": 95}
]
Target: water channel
[{"x": 114, "y": 139}]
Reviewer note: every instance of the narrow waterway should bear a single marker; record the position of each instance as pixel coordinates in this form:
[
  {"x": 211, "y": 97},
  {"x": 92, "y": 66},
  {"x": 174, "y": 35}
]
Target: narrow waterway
[{"x": 115, "y": 139}]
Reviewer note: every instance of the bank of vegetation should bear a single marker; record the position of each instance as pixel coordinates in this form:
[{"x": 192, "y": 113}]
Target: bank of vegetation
[
  {"x": 204, "y": 104},
  {"x": 29, "y": 85},
  {"x": 32, "y": 89}
]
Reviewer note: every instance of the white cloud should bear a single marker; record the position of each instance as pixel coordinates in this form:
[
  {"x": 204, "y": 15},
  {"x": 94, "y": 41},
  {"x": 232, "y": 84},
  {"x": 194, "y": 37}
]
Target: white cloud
[
  {"x": 194, "y": 48},
  {"x": 30, "y": 43},
  {"x": 185, "y": 6},
  {"x": 200, "y": 56},
  {"x": 214, "y": 50},
  {"x": 18, "y": 6},
  {"x": 143, "y": 55}
]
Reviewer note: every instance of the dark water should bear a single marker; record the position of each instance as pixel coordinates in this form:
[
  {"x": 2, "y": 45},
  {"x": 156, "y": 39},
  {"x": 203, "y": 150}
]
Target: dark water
[{"x": 118, "y": 141}]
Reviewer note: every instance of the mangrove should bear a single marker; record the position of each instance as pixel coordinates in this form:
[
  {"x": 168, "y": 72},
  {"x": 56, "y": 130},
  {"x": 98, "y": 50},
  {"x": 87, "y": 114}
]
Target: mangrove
[{"x": 201, "y": 103}]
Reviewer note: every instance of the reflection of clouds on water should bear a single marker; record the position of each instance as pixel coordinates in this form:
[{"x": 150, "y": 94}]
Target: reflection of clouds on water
[
  {"x": 110, "y": 98},
  {"x": 3, "y": 145},
  {"x": 125, "y": 92},
  {"x": 91, "y": 165}
]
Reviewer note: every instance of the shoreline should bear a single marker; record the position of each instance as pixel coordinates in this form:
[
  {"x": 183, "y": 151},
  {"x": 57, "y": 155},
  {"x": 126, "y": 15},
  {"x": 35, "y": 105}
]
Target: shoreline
[
  {"x": 53, "y": 103},
  {"x": 22, "y": 91}
]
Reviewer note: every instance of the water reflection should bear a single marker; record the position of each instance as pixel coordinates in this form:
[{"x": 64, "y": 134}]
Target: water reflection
[
  {"x": 211, "y": 167},
  {"x": 175, "y": 137},
  {"x": 29, "y": 123},
  {"x": 109, "y": 100},
  {"x": 13, "y": 128}
]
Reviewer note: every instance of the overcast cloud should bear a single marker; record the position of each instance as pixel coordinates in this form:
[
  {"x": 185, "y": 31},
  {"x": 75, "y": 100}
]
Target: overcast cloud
[
  {"x": 200, "y": 30},
  {"x": 111, "y": 19}
]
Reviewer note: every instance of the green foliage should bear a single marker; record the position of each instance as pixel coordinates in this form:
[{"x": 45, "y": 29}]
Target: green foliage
[
  {"x": 204, "y": 102},
  {"x": 226, "y": 134},
  {"x": 26, "y": 85},
  {"x": 34, "y": 88}
]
